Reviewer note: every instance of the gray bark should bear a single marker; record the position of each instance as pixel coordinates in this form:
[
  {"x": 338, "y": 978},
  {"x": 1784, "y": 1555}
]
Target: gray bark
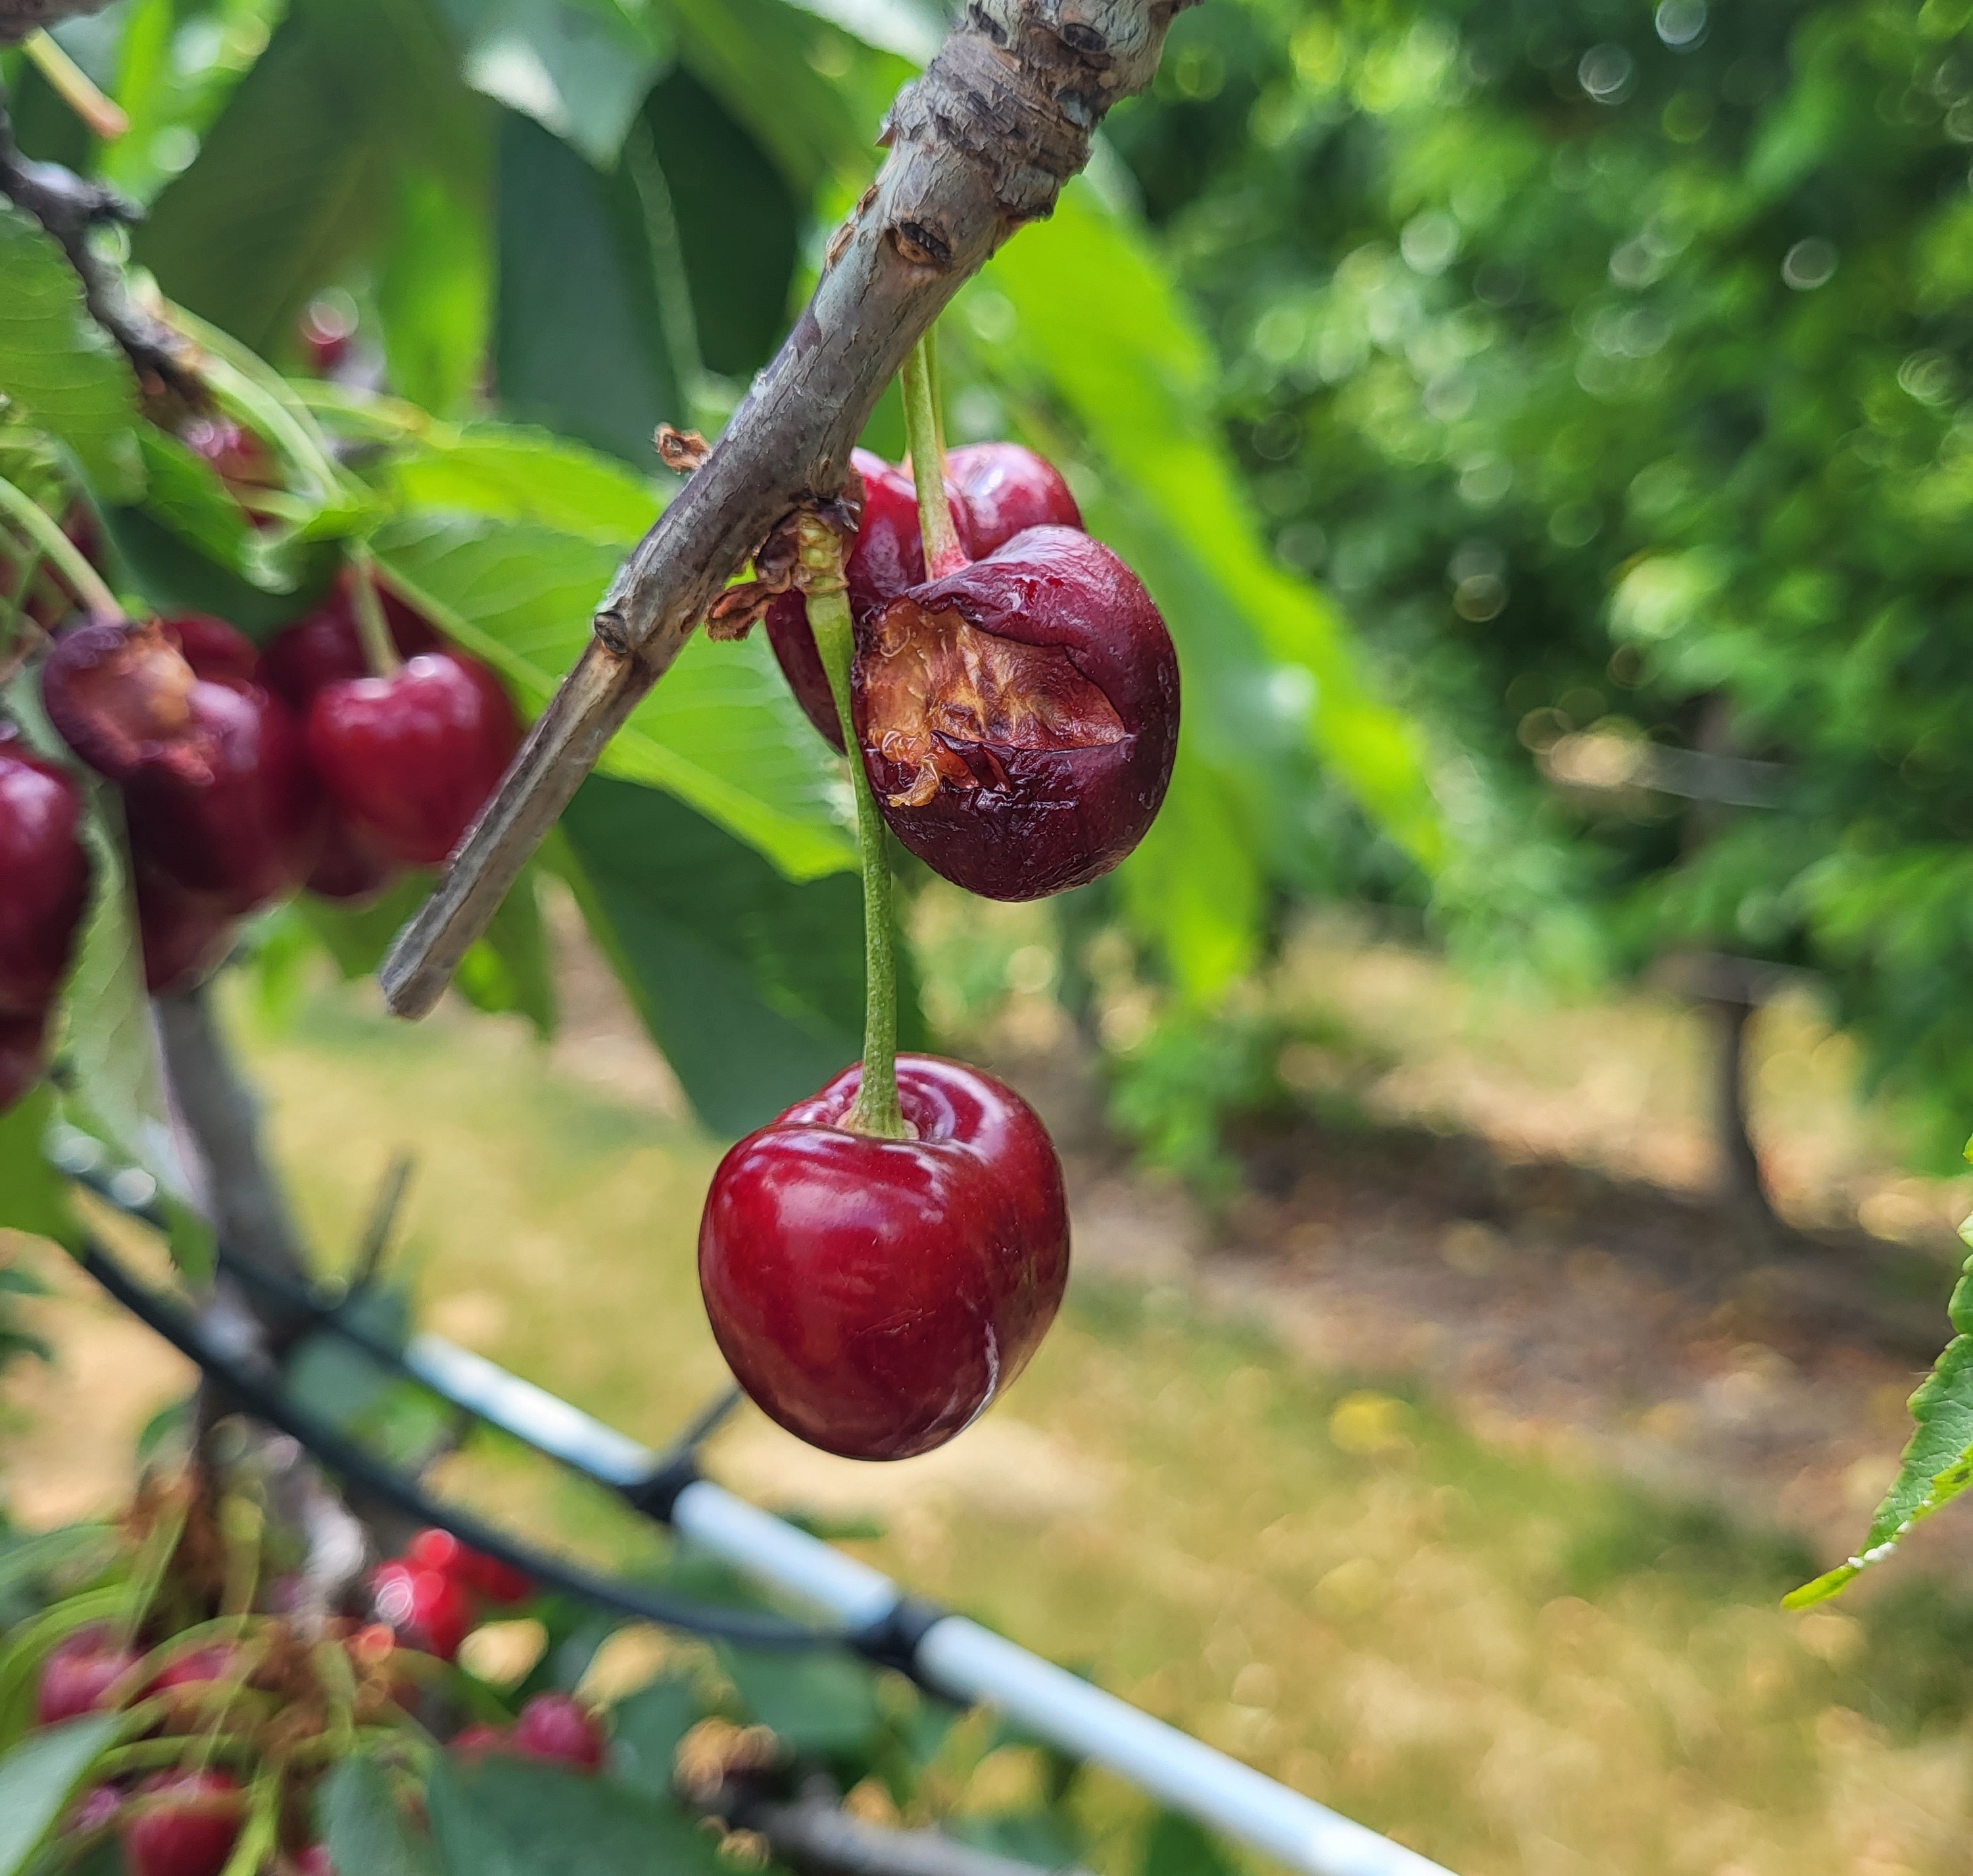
[{"x": 982, "y": 143}]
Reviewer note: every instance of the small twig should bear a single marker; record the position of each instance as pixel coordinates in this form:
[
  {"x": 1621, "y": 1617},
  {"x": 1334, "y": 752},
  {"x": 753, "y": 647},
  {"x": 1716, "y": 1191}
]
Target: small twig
[
  {"x": 813, "y": 1833},
  {"x": 71, "y": 210},
  {"x": 980, "y": 145},
  {"x": 75, "y": 88},
  {"x": 384, "y": 1209}
]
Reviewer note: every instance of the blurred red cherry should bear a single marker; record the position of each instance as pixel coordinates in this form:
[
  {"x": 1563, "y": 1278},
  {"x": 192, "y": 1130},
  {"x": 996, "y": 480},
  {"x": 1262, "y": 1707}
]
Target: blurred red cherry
[
  {"x": 184, "y": 1824},
  {"x": 312, "y": 1860},
  {"x": 96, "y": 1809},
  {"x": 216, "y": 791},
  {"x": 554, "y": 1728},
  {"x": 324, "y": 647},
  {"x": 485, "y": 1575},
  {"x": 874, "y": 1296},
  {"x": 426, "y": 1608},
  {"x": 409, "y": 759},
  {"x": 186, "y": 936},
  {"x": 45, "y": 875},
  {"x": 476, "y": 1741},
  {"x": 78, "y": 1673}
]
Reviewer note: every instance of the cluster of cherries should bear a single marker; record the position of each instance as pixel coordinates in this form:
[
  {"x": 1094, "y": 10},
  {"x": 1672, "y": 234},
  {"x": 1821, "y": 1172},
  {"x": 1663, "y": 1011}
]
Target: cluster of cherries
[
  {"x": 244, "y": 776},
  {"x": 1014, "y": 697},
  {"x": 186, "y": 1821}
]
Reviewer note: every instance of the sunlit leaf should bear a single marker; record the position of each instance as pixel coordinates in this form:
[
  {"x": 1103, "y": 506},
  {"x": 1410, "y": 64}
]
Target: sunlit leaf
[
  {"x": 58, "y": 369},
  {"x": 34, "y": 1197}
]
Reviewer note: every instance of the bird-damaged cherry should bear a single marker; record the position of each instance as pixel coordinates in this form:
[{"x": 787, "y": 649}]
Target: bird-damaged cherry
[
  {"x": 216, "y": 791},
  {"x": 1018, "y": 718},
  {"x": 873, "y": 1295}
]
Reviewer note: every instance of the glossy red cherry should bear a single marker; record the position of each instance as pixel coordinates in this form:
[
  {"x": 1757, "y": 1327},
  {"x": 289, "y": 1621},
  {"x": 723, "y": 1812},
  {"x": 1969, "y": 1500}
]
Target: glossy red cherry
[
  {"x": 885, "y": 557},
  {"x": 78, "y": 1673},
  {"x": 410, "y": 758},
  {"x": 999, "y": 490},
  {"x": 560, "y": 1730},
  {"x": 23, "y": 1055},
  {"x": 324, "y": 647},
  {"x": 185, "y": 1824},
  {"x": 426, "y": 1608},
  {"x": 1019, "y": 719},
  {"x": 216, "y": 791},
  {"x": 43, "y": 878},
  {"x": 483, "y": 1575},
  {"x": 873, "y": 1295}
]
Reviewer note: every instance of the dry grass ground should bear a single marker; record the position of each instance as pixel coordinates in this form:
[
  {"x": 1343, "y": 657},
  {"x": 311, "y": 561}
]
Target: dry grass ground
[{"x": 1432, "y": 1595}]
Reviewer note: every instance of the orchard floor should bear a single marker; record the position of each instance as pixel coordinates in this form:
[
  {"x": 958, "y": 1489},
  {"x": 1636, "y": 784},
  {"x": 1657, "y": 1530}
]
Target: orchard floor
[{"x": 1454, "y": 1476}]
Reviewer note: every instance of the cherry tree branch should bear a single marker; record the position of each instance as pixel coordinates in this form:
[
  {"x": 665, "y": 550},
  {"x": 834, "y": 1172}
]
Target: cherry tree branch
[{"x": 980, "y": 144}]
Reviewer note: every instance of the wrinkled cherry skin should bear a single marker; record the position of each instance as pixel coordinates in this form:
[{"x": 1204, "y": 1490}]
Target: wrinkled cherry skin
[
  {"x": 873, "y": 1296},
  {"x": 1029, "y": 822},
  {"x": 216, "y": 791},
  {"x": 885, "y": 557},
  {"x": 999, "y": 490},
  {"x": 409, "y": 759},
  {"x": 553, "y": 1728},
  {"x": 44, "y": 878},
  {"x": 77, "y": 1675},
  {"x": 192, "y": 1829},
  {"x": 23, "y": 1055}
]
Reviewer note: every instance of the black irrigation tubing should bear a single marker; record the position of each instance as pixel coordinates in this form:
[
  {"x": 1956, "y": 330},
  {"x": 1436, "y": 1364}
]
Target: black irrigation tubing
[{"x": 359, "y": 1467}]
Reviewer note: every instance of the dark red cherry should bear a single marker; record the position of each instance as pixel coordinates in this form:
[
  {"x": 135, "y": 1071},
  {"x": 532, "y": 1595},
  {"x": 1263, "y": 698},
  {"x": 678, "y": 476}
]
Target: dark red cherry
[
  {"x": 874, "y": 1296},
  {"x": 43, "y": 878},
  {"x": 217, "y": 790},
  {"x": 999, "y": 490},
  {"x": 23, "y": 1055},
  {"x": 77, "y": 1675},
  {"x": 428, "y": 1609},
  {"x": 241, "y": 459},
  {"x": 886, "y": 557},
  {"x": 483, "y": 1575},
  {"x": 312, "y": 1860},
  {"x": 183, "y": 1824},
  {"x": 323, "y": 647},
  {"x": 186, "y": 936},
  {"x": 1019, "y": 719},
  {"x": 561, "y": 1731},
  {"x": 410, "y": 758}
]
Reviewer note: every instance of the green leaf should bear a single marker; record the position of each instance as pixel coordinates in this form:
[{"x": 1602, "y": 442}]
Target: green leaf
[
  {"x": 752, "y": 986},
  {"x": 645, "y": 1731},
  {"x": 509, "y": 473},
  {"x": 721, "y": 731},
  {"x": 1175, "y": 1846},
  {"x": 1938, "y": 1462},
  {"x": 509, "y": 970},
  {"x": 26, "y": 1560},
  {"x": 358, "y": 936},
  {"x": 434, "y": 279},
  {"x": 34, "y": 1197},
  {"x": 579, "y": 68},
  {"x": 173, "y": 575},
  {"x": 363, "y": 1824},
  {"x": 301, "y": 172},
  {"x": 58, "y": 368},
  {"x": 38, "y": 1778},
  {"x": 580, "y": 340},
  {"x": 509, "y": 1817},
  {"x": 719, "y": 179},
  {"x": 818, "y": 1703}
]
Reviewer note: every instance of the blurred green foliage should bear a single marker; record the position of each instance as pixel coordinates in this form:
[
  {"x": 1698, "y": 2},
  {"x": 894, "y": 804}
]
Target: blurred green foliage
[{"x": 1610, "y": 365}]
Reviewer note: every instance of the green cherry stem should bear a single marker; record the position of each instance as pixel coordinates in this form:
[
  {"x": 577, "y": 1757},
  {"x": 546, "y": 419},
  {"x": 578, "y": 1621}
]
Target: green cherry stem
[
  {"x": 45, "y": 532},
  {"x": 943, "y": 555},
  {"x": 380, "y": 650},
  {"x": 875, "y": 1110}
]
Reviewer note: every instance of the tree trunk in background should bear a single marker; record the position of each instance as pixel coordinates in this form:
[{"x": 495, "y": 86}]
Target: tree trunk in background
[{"x": 1745, "y": 1189}]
